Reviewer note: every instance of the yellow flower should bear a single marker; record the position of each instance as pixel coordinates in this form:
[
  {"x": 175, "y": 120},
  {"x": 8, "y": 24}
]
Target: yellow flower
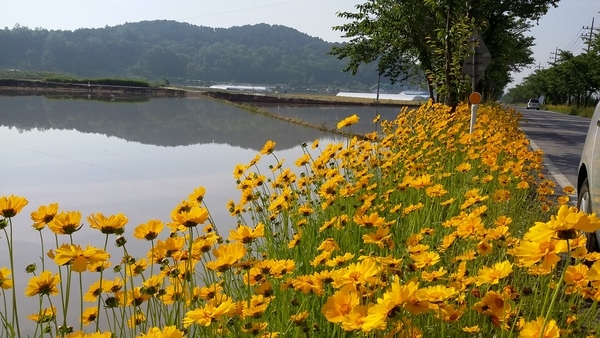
[
  {"x": 11, "y": 205},
  {"x": 44, "y": 215},
  {"x": 255, "y": 328},
  {"x": 529, "y": 253},
  {"x": 227, "y": 255},
  {"x": 436, "y": 191},
  {"x": 495, "y": 304},
  {"x": 89, "y": 315},
  {"x": 190, "y": 217},
  {"x": 299, "y": 318},
  {"x": 197, "y": 196},
  {"x": 494, "y": 274},
  {"x": 425, "y": 259},
  {"x": 471, "y": 329},
  {"x": 390, "y": 304},
  {"x": 434, "y": 275},
  {"x": 257, "y": 306},
  {"x": 435, "y": 294},
  {"x": 452, "y": 313},
  {"x": 81, "y": 334},
  {"x": 328, "y": 244},
  {"x": 166, "y": 332},
  {"x": 152, "y": 285},
  {"x": 363, "y": 273},
  {"x": 114, "y": 224},
  {"x": 46, "y": 315},
  {"x": 369, "y": 221},
  {"x": 78, "y": 257},
  {"x": 340, "y": 304},
  {"x": 348, "y": 121},
  {"x": 321, "y": 258},
  {"x": 484, "y": 248},
  {"x": 245, "y": 234},
  {"x": 136, "y": 297},
  {"x": 268, "y": 147},
  {"x": 463, "y": 167},
  {"x": 206, "y": 315},
  {"x": 569, "y": 221},
  {"x": 66, "y": 223},
  {"x": 44, "y": 284},
  {"x": 136, "y": 319},
  {"x": 5, "y": 282},
  {"x": 381, "y": 237},
  {"x": 94, "y": 291},
  {"x": 295, "y": 240},
  {"x": 148, "y": 231},
  {"x": 533, "y": 329},
  {"x": 576, "y": 274},
  {"x": 302, "y": 160}
]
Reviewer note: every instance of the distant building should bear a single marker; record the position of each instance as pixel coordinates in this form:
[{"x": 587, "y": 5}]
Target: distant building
[
  {"x": 402, "y": 96},
  {"x": 243, "y": 88}
]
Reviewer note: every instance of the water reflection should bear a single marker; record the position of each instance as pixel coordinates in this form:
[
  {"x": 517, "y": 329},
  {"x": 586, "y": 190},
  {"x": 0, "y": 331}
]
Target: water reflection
[
  {"x": 164, "y": 121},
  {"x": 139, "y": 158},
  {"x": 330, "y": 115}
]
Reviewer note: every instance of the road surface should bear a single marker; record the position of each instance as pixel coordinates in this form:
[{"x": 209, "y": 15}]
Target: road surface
[{"x": 561, "y": 137}]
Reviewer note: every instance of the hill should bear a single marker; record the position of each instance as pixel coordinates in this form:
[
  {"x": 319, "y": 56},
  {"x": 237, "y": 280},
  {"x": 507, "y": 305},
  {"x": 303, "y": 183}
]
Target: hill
[{"x": 182, "y": 53}]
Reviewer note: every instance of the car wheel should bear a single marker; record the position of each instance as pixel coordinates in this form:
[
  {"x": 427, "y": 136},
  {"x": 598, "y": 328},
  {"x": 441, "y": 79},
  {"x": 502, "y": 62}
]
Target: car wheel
[{"x": 584, "y": 203}]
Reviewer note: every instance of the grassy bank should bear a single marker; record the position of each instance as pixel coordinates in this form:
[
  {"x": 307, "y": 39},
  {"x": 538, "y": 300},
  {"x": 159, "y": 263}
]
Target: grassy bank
[
  {"x": 421, "y": 230},
  {"x": 572, "y": 110}
]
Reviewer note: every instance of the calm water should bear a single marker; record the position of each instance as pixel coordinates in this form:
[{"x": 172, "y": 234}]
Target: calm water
[{"x": 139, "y": 158}]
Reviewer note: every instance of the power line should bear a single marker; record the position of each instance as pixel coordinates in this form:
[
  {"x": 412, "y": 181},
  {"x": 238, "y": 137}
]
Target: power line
[{"x": 576, "y": 39}]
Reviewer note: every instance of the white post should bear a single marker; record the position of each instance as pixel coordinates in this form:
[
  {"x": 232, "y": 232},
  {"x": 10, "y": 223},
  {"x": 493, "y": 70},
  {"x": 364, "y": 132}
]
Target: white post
[{"x": 473, "y": 116}]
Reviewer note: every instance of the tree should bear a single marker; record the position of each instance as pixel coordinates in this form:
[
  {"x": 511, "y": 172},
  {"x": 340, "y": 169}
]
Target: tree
[
  {"x": 434, "y": 35},
  {"x": 570, "y": 80}
]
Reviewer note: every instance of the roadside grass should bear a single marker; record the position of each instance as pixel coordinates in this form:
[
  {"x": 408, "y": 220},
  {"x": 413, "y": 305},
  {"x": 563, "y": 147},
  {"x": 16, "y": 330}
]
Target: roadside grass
[
  {"x": 421, "y": 230},
  {"x": 572, "y": 110}
]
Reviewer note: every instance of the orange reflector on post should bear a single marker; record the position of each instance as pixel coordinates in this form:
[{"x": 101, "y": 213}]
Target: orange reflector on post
[{"x": 474, "y": 98}]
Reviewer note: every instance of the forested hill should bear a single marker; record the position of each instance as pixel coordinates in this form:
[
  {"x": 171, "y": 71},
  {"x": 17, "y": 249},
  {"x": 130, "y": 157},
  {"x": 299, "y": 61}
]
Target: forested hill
[{"x": 265, "y": 54}]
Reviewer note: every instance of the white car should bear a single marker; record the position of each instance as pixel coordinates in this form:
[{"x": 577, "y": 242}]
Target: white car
[
  {"x": 588, "y": 179},
  {"x": 533, "y": 104}
]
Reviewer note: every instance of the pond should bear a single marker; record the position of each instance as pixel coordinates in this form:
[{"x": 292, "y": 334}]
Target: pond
[{"x": 140, "y": 158}]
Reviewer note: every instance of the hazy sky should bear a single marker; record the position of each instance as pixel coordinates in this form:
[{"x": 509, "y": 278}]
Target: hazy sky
[{"x": 561, "y": 28}]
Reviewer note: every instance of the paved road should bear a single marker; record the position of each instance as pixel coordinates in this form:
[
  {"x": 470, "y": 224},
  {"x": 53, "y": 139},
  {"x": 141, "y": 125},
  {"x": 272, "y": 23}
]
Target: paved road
[{"x": 561, "y": 137}]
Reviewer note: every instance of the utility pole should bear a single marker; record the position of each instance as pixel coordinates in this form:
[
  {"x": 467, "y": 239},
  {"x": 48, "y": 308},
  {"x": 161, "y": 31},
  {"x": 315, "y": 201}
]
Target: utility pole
[
  {"x": 554, "y": 57},
  {"x": 588, "y": 36}
]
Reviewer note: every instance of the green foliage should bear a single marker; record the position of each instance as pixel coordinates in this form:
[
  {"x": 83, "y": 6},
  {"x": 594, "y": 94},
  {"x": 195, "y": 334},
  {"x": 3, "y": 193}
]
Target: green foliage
[
  {"x": 572, "y": 80},
  {"x": 100, "y": 81},
  {"x": 431, "y": 34},
  {"x": 180, "y": 53},
  {"x": 572, "y": 110}
]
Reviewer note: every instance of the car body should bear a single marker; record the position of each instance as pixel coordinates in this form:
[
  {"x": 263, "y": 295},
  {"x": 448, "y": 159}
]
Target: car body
[
  {"x": 588, "y": 177},
  {"x": 533, "y": 104}
]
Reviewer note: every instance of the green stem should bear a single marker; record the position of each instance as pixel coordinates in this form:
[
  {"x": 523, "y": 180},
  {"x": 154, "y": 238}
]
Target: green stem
[
  {"x": 556, "y": 290},
  {"x": 15, "y": 317},
  {"x": 43, "y": 255},
  {"x": 62, "y": 289},
  {"x": 80, "y": 302},
  {"x": 4, "y": 318},
  {"x": 54, "y": 321},
  {"x": 100, "y": 287}
]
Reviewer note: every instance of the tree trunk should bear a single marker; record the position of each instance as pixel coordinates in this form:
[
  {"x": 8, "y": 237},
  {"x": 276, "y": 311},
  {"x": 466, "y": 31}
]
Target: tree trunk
[{"x": 450, "y": 85}]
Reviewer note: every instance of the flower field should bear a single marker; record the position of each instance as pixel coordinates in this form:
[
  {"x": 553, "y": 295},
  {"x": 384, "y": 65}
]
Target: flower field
[{"x": 420, "y": 230}]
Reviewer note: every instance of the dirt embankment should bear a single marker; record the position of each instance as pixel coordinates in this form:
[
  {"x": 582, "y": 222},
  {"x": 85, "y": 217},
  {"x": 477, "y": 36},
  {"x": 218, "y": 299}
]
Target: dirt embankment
[
  {"x": 36, "y": 87},
  {"x": 245, "y": 98}
]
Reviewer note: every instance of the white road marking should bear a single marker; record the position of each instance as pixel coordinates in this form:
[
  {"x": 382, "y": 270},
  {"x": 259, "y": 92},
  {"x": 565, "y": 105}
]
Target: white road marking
[{"x": 558, "y": 176}]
